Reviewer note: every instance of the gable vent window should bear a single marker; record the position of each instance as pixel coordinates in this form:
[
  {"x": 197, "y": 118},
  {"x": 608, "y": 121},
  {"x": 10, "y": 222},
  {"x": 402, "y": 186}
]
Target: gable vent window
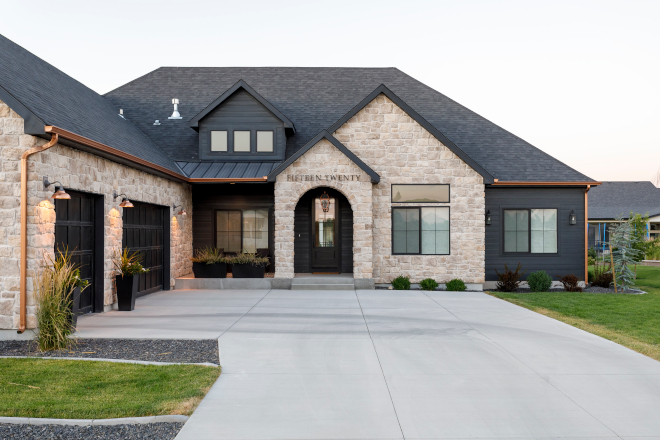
[
  {"x": 264, "y": 141},
  {"x": 219, "y": 141},
  {"x": 242, "y": 141}
]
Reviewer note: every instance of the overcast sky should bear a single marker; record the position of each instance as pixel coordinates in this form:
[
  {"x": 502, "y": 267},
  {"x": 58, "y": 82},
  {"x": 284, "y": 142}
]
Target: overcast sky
[{"x": 578, "y": 79}]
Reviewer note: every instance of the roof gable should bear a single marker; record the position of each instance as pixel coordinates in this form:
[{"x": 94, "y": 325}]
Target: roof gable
[
  {"x": 241, "y": 85},
  {"x": 382, "y": 89},
  {"x": 375, "y": 178}
]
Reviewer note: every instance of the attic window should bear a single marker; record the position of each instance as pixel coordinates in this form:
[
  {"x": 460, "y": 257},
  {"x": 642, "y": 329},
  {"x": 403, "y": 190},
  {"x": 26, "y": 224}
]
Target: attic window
[
  {"x": 219, "y": 140},
  {"x": 242, "y": 141},
  {"x": 264, "y": 141}
]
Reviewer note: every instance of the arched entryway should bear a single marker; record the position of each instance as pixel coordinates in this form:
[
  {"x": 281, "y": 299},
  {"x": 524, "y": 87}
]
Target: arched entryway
[{"x": 323, "y": 227}]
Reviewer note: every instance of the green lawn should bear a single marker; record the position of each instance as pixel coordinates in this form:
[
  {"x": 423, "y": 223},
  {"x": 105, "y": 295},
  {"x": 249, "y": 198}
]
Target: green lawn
[
  {"x": 630, "y": 320},
  {"x": 98, "y": 390}
]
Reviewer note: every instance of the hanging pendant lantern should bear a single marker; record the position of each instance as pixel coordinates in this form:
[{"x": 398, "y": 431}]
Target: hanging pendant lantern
[{"x": 325, "y": 202}]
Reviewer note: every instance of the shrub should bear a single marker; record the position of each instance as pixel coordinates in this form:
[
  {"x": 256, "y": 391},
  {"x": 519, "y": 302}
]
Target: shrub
[
  {"x": 602, "y": 275},
  {"x": 539, "y": 281},
  {"x": 248, "y": 258},
  {"x": 509, "y": 281},
  {"x": 570, "y": 283},
  {"x": 428, "y": 284},
  {"x": 401, "y": 283},
  {"x": 591, "y": 261},
  {"x": 129, "y": 263},
  {"x": 456, "y": 285},
  {"x": 592, "y": 253},
  {"x": 54, "y": 285},
  {"x": 208, "y": 255}
]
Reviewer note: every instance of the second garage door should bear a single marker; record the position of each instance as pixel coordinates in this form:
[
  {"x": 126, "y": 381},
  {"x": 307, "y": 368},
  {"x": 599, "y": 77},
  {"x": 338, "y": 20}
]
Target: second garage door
[{"x": 146, "y": 229}]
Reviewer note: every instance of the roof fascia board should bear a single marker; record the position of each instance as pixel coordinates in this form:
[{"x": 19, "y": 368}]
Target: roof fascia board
[
  {"x": 382, "y": 89},
  {"x": 194, "y": 122},
  {"x": 525, "y": 183},
  {"x": 324, "y": 134},
  {"x": 32, "y": 123}
]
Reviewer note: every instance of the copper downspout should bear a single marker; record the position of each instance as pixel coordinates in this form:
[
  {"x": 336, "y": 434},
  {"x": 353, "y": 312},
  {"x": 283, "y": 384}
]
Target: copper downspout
[
  {"x": 24, "y": 210},
  {"x": 586, "y": 235}
]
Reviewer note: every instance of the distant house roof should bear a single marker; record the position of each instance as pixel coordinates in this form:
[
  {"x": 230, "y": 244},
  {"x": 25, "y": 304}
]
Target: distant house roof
[
  {"x": 316, "y": 98},
  {"x": 613, "y": 199},
  {"x": 44, "y": 95}
]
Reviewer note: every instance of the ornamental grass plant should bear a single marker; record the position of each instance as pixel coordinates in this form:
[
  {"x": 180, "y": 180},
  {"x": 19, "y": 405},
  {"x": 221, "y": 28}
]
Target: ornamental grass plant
[
  {"x": 248, "y": 258},
  {"x": 209, "y": 255},
  {"x": 129, "y": 263},
  {"x": 54, "y": 286}
]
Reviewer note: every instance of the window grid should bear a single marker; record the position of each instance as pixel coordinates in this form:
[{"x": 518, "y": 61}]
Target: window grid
[
  {"x": 242, "y": 230},
  {"x": 421, "y": 231},
  {"x": 530, "y": 231}
]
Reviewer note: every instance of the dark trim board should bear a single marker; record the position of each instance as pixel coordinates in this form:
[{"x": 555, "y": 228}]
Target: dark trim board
[
  {"x": 32, "y": 123},
  {"x": 570, "y": 238},
  {"x": 323, "y": 134},
  {"x": 488, "y": 178}
]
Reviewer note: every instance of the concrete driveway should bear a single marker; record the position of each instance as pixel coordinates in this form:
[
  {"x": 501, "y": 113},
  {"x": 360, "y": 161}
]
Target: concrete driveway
[{"x": 397, "y": 364}]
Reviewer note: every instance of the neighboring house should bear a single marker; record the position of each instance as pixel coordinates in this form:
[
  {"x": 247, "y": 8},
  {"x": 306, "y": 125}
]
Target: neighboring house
[
  {"x": 613, "y": 200},
  {"x": 412, "y": 182}
]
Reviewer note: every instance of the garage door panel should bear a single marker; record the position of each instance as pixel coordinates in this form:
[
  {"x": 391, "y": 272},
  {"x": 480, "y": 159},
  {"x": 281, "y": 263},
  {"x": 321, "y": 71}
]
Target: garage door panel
[{"x": 143, "y": 232}]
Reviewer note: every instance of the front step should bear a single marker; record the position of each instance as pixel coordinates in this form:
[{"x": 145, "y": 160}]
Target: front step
[{"x": 323, "y": 283}]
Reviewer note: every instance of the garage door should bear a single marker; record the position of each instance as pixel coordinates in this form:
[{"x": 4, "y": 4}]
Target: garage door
[
  {"x": 144, "y": 231},
  {"x": 74, "y": 231}
]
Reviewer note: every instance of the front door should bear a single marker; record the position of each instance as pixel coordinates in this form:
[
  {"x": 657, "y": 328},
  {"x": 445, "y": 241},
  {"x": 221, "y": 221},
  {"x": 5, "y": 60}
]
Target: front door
[{"x": 325, "y": 248}]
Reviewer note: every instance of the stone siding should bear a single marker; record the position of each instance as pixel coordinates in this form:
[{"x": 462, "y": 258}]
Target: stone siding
[
  {"x": 81, "y": 171},
  {"x": 400, "y": 150}
]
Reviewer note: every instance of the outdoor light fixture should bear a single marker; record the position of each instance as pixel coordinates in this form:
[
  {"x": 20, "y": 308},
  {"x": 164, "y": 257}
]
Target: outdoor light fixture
[
  {"x": 125, "y": 203},
  {"x": 325, "y": 202},
  {"x": 182, "y": 212},
  {"x": 59, "y": 189},
  {"x": 572, "y": 218},
  {"x": 488, "y": 218}
]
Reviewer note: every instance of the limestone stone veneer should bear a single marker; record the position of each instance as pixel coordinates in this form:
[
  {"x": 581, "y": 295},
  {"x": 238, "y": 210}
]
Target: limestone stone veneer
[
  {"x": 400, "y": 150},
  {"x": 76, "y": 170}
]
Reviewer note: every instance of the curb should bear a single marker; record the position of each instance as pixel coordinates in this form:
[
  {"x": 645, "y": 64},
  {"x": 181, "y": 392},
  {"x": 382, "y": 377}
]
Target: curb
[
  {"x": 94, "y": 422},
  {"x": 118, "y": 361}
]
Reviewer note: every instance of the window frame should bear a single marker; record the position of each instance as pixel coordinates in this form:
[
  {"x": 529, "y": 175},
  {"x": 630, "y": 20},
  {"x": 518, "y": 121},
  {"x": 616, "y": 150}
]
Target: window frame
[
  {"x": 419, "y": 208},
  {"x": 279, "y": 142},
  {"x": 226, "y": 141},
  {"x": 241, "y": 210},
  {"x": 418, "y": 184},
  {"x": 529, "y": 231},
  {"x": 256, "y": 142}
]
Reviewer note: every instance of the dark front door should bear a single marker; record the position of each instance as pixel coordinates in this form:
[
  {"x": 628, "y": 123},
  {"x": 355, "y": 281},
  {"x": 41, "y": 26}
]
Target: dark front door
[
  {"x": 74, "y": 233},
  {"x": 325, "y": 244},
  {"x": 143, "y": 232}
]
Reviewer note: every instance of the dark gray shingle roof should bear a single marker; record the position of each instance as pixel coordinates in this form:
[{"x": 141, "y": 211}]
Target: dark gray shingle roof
[
  {"x": 57, "y": 99},
  {"x": 314, "y": 99},
  {"x": 613, "y": 199}
]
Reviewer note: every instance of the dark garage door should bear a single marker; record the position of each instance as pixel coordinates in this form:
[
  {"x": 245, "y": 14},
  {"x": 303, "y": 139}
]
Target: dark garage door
[
  {"x": 144, "y": 231},
  {"x": 74, "y": 231}
]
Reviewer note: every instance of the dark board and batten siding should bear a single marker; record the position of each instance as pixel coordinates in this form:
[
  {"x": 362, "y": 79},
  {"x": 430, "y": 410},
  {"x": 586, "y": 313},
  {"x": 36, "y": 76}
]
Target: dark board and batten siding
[
  {"x": 570, "y": 255},
  {"x": 241, "y": 112}
]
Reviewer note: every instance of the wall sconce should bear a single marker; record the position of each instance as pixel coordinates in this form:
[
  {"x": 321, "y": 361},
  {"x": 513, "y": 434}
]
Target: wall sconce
[
  {"x": 572, "y": 218},
  {"x": 59, "y": 189},
  {"x": 125, "y": 203},
  {"x": 488, "y": 218},
  {"x": 182, "y": 212}
]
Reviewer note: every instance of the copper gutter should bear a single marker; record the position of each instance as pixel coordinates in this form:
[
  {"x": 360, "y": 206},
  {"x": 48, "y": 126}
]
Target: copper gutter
[
  {"x": 586, "y": 235},
  {"x": 24, "y": 211}
]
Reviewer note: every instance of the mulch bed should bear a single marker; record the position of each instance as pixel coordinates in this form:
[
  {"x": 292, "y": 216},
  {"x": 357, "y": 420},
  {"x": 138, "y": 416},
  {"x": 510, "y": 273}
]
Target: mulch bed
[
  {"x": 592, "y": 289},
  {"x": 149, "y": 431},
  {"x": 152, "y": 350}
]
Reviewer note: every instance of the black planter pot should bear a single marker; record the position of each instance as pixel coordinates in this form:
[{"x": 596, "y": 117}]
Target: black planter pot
[
  {"x": 127, "y": 287},
  {"x": 203, "y": 270},
  {"x": 248, "y": 271},
  {"x": 75, "y": 306}
]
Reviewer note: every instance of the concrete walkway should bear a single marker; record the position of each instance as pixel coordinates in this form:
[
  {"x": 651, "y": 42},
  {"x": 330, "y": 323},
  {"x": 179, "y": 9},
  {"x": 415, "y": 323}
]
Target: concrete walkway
[{"x": 395, "y": 364}]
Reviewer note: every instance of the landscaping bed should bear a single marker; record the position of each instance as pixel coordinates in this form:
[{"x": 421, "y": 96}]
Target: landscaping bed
[
  {"x": 70, "y": 389},
  {"x": 151, "y": 431},
  {"x": 590, "y": 289},
  {"x": 152, "y": 350}
]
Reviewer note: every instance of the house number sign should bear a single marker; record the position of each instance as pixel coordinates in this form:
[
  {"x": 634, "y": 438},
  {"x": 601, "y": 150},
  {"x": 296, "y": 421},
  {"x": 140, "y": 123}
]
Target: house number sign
[{"x": 322, "y": 177}]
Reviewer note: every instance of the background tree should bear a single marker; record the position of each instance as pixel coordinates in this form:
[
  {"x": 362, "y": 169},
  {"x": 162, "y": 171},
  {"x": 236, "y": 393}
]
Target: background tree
[{"x": 625, "y": 251}]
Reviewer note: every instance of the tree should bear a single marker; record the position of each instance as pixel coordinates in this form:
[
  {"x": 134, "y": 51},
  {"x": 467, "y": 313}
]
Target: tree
[{"x": 625, "y": 251}]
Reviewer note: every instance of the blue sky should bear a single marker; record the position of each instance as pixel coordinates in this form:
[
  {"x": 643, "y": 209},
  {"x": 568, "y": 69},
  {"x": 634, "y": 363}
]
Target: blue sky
[{"x": 578, "y": 79}]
